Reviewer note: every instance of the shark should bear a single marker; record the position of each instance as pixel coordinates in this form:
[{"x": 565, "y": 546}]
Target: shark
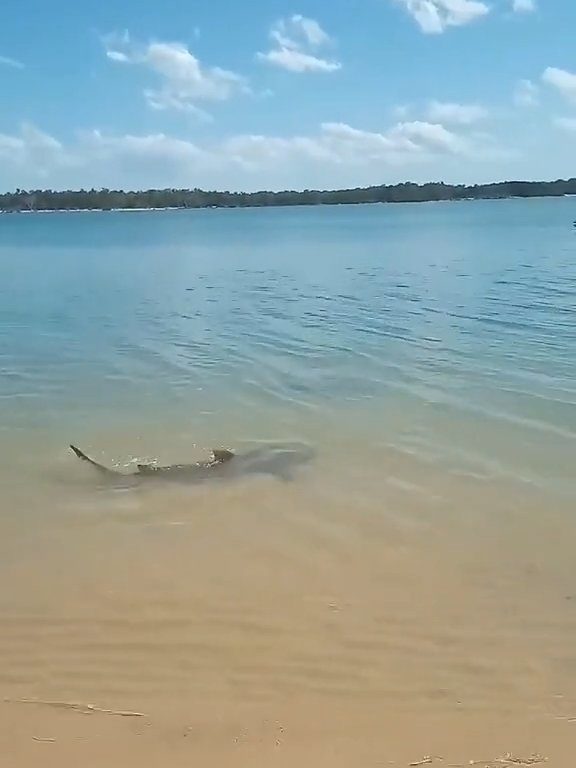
[{"x": 279, "y": 461}]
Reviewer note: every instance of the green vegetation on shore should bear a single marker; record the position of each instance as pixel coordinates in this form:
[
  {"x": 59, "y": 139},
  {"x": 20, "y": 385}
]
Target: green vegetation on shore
[{"x": 107, "y": 199}]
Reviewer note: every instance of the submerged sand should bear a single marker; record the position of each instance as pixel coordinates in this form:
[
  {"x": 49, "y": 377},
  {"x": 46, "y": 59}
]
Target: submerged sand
[{"x": 354, "y": 617}]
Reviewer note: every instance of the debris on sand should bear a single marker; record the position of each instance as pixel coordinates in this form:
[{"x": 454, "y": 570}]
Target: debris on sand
[
  {"x": 510, "y": 761},
  {"x": 84, "y": 709}
]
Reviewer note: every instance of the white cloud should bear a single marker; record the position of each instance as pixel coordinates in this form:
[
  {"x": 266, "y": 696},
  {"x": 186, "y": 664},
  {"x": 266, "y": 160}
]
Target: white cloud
[
  {"x": 116, "y": 45},
  {"x": 341, "y": 144},
  {"x": 526, "y": 94},
  {"x": 10, "y": 147},
  {"x": 298, "y": 31},
  {"x": 31, "y": 151},
  {"x": 435, "y": 16},
  {"x": 185, "y": 76},
  {"x": 36, "y": 159},
  {"x": 29, "y": 140},
  {"x": 164, "y": 99},
  {"x": 296, "y": 41},
  {"x": 9, "y": 62},
  {"x": 523, "y": 6},
  {"x": 184, "y": 81},
  {"x": 117, "y": 56},
  {"x": 152, "y": 147},
  {"x": 336, "y": 154},
  {"x": 563, "y": 81},
  {"x": 423, "y": 136},
  {"x": 297, "y": 61},
  {"x": 457, "y": 114},
  {"x": 567, "y": 123},
  {"x": 149, "y": 160}
]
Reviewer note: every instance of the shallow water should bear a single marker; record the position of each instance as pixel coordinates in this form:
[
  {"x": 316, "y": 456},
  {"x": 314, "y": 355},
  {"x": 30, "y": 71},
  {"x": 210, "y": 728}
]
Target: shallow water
[{"x": 422, "y": 562}]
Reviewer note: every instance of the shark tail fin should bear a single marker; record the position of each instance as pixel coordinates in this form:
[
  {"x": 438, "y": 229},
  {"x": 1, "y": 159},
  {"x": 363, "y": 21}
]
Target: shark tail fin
[{"x": 82, "y": 455}]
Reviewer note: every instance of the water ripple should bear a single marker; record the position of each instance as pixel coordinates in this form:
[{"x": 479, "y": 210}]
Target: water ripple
[{"x": 447, "y": 321}]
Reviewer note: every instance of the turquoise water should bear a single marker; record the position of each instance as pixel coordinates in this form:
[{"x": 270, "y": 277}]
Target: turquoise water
[{"x": 445, "y": 332}]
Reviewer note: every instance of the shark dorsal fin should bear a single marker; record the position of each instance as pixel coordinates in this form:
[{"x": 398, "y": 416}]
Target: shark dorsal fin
[
  {"x": 145, "y": 469},
  {"x": 221, "y": 455}
]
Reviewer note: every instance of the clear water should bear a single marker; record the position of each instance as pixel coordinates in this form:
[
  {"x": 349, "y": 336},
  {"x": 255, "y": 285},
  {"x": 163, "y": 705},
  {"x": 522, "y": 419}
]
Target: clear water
[
  {"x": 444, "y": 331},
  {"x": 422, "y": 564}
]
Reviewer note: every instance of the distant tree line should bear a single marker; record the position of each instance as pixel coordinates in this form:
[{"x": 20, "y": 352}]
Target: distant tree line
[{"x": 108, "y": 199}]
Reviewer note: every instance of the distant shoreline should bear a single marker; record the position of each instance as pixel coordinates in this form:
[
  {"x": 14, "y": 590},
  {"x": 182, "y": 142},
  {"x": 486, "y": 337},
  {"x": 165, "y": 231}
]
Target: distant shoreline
[
  {"x": 36, "y": 201},
  {"x": 251, "y": 207}
]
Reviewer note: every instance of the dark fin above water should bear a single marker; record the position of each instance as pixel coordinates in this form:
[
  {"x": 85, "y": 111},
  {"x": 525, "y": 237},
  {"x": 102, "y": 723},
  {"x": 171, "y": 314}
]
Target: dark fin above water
[
  {"x": 146, "y": 469},
  {"x": 99, "y": 467},
  {"x": 221, "y": 455}
]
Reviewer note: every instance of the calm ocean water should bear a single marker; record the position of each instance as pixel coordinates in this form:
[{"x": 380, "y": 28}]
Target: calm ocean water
[{"x": 443, "y": 331}]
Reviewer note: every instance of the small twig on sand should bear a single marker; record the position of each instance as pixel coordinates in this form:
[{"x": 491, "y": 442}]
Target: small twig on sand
[
  {"x": 85, "y": 709},
  {"x": 509, "y": 759},
  {"x": 44, "y": 739},
  {"x": 428, "y": 760}
]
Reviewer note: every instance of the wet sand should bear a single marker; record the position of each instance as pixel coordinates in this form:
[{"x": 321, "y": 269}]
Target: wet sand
[
  {"x": 315, "y": 736},
  {"x": 357, "y": 616}
]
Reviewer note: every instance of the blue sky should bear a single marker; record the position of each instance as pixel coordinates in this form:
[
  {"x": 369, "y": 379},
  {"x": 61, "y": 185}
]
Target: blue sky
[{"x": 282, "y": 94}]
